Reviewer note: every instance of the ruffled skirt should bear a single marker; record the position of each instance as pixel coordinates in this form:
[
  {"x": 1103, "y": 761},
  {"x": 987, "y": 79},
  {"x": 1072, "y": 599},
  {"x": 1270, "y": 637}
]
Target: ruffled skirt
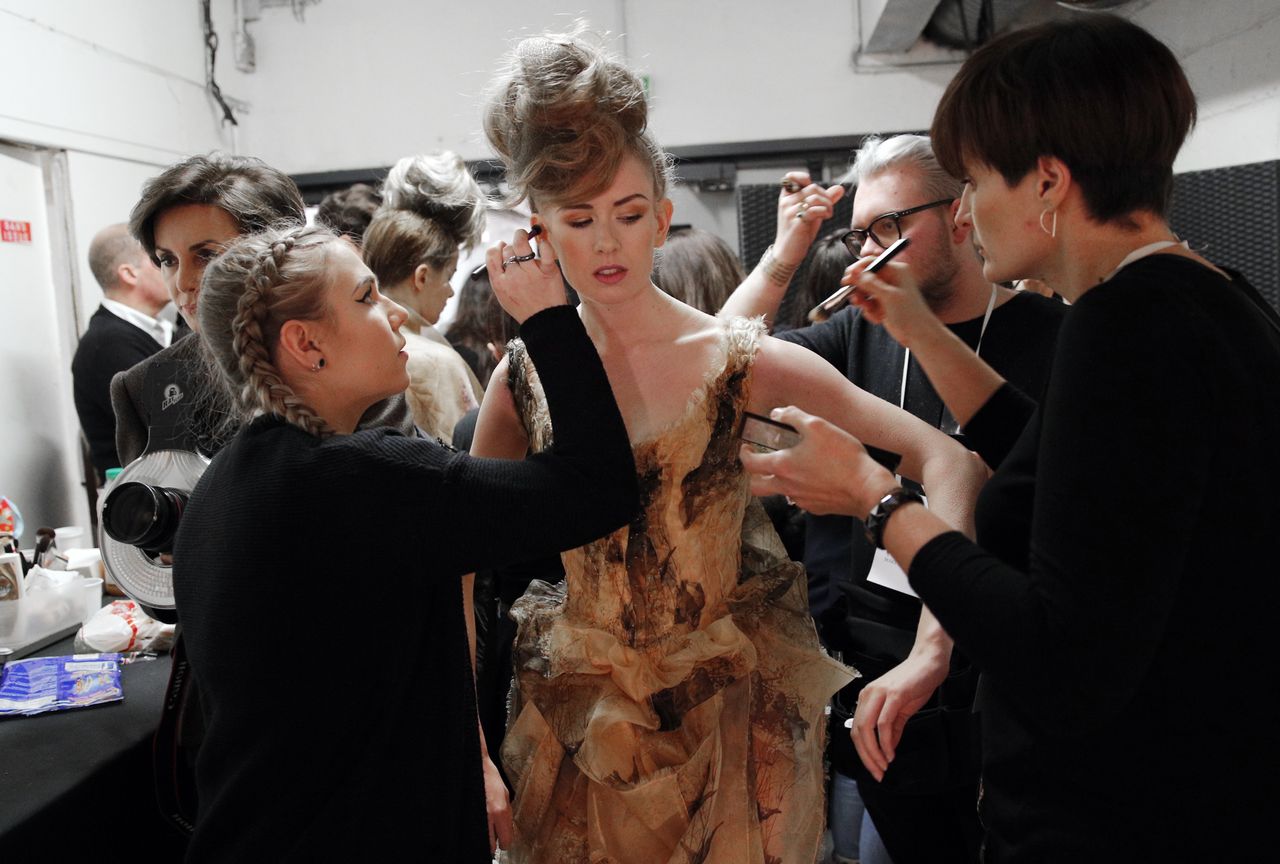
[{"x": 704, "y": 746}]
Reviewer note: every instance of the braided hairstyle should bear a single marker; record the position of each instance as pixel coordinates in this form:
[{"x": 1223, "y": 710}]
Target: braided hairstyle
[
  {"x": 259, "y": 282},
  {"x": 563, "y": 115}
]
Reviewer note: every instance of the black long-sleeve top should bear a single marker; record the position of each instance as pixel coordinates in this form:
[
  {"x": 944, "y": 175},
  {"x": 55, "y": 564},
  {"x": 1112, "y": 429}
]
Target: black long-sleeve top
[
  {"x": 1122, "y": 598},
  {"x": 318, "y": 585}
]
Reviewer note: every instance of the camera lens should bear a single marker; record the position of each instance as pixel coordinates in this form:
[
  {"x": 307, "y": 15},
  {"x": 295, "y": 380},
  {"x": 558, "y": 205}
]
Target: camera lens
[{"x": 144, "y": 516}]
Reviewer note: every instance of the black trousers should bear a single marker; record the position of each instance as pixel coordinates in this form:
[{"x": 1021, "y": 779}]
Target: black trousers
[{"x": 925, "y": 809}]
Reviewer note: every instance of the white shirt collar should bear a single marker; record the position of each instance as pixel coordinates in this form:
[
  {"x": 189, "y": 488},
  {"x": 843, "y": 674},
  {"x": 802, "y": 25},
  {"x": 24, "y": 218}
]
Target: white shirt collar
[{"x": 161, "y": 331}]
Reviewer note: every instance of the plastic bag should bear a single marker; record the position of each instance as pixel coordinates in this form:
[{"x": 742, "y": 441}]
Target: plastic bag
[{"x": 122, "y": 626}]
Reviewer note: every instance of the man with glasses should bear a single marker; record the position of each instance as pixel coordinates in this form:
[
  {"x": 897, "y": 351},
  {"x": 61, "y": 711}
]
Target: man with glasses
[{"x": 925, "y": 807}]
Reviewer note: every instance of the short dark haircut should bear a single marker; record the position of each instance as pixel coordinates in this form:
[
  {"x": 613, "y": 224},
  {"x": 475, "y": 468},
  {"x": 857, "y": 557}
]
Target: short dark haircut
[
  {"x": 1098, "y": 92},
  {"x": 349, "y": 211},
  {"x": 256, "y": 195}
]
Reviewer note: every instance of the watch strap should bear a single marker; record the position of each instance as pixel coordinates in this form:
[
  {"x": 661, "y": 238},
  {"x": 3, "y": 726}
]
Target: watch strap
[{"x": 885, "y": 507}]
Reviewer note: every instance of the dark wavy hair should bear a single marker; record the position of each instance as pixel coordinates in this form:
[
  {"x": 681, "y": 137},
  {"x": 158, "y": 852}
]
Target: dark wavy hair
[
  {"x": 349, "y": 211},
  {"x": 256, "y": 195}
]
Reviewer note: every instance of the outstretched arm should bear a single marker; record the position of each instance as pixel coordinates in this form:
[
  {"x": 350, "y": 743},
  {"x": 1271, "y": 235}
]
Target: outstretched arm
[{"x": 786, "y": 374}]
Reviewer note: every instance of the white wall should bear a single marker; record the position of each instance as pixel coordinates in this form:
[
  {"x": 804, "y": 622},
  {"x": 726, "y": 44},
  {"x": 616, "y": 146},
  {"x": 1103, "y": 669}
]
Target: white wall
[
  {"x": 1231, "y": 53},
  {"x": 123, "y": 78},
  {"x": 361, "y": 84},
  {"x": 401, "y": 76},
  {"x": 39, "y": 450},
  {"x": 103, "y": 190},
  {"x": 119, "y": 87}
]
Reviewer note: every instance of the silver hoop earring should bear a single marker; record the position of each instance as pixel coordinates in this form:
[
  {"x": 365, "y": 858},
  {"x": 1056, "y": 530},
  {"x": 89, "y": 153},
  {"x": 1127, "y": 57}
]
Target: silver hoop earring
[
  {"x": 1053, "y": 230},
  {"x": 318, "y": 365}
]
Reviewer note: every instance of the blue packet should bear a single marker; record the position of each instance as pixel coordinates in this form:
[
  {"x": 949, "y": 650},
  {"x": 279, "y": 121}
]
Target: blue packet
[{"x": 58, "y": 683}]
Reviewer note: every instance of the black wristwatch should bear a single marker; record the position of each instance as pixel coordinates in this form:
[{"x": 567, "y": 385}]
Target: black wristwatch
[{"x": 884, "y": 508}]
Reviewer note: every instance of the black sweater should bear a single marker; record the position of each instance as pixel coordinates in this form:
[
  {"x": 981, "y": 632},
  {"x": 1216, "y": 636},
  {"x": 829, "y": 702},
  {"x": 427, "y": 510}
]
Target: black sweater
[
  {"x": 1121, "y": 609},
  {"x": 318, "y": 583}
]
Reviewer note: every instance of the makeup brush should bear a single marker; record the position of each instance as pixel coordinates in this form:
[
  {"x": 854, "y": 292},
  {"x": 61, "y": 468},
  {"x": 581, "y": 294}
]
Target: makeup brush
[
  {"x": 533, "y": 232},
  {"x": 832, "y": 304}
]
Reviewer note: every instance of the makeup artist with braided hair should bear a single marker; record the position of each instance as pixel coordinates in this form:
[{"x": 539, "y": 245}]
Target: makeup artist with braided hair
[{"x": 366, "y": 736}]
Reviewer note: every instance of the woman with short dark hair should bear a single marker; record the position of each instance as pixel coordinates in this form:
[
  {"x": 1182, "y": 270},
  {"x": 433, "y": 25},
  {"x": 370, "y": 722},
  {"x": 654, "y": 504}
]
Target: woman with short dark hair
[{"x": 1120, "y": 601}]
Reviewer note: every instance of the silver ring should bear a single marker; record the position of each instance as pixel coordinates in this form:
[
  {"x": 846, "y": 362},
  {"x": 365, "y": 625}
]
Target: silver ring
[{"x": 516, "y": 259}]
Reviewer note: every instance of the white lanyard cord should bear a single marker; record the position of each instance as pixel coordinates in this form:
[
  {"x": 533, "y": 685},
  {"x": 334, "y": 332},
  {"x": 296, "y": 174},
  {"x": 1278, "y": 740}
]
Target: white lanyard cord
[
  {"x": 1142, "y": 252},
  {"x": 986, "y": 319}
]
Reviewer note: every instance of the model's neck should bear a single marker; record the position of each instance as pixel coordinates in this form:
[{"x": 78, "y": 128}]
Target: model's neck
[{"x": 640, "y": 317}]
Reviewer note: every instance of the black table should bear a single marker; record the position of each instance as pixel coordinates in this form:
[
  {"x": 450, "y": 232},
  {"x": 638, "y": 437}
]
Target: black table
[{"x": 77, "y": 785}]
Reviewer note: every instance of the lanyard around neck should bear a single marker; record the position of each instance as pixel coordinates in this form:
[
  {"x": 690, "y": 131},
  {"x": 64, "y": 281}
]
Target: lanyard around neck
[
  {"x": 906, "y": 360},
  {"x": 1140, "y": 253}
]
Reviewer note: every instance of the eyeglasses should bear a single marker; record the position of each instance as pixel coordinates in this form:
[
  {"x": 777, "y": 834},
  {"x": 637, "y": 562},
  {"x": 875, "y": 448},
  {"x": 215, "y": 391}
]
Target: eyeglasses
[{"x": 884, "y": 229}]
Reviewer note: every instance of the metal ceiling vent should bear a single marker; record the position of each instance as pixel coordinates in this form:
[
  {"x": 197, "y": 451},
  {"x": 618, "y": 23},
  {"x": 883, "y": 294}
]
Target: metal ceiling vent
[{"x": 966, "y": 24}]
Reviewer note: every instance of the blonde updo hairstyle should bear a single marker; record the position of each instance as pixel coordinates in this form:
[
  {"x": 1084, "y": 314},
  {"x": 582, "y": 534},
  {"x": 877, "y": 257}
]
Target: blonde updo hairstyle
[
  {"x": 563, "y": 115},
  {"x": 439, "y": 188},
  {"x": 248, "y": 292}
]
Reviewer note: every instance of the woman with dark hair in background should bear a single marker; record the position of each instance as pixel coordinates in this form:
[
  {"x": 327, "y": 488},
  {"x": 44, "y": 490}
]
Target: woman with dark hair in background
[
  {"x": 698, "y": 268},
  {"x": 305, "y": 343},
  {"x": 482, "y": 328},
  {"x": 1121, "y": 602},
  {"x": 349, "y": 211},
  {"x": 185, "y": 216}
]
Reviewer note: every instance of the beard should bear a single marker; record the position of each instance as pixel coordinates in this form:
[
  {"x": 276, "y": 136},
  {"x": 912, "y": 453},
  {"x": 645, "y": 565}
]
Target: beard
[{"x": 937, "y": 279}]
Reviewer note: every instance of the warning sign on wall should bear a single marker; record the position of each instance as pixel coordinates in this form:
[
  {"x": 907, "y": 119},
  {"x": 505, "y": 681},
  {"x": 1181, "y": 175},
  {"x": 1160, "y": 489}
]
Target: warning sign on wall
[{"x": 14, "y": 232}]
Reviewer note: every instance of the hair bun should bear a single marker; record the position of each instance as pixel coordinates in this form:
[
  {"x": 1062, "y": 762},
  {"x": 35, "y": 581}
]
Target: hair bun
[
  {"x": 438, "y": 187},
  {"x": 563, "y": 114}
]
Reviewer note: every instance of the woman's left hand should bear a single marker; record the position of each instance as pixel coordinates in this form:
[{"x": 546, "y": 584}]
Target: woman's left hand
[
  {"x": 887, "y": 703},
  {"x": 498, "y": 804},
  {"x": 827, "y": 472}
]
